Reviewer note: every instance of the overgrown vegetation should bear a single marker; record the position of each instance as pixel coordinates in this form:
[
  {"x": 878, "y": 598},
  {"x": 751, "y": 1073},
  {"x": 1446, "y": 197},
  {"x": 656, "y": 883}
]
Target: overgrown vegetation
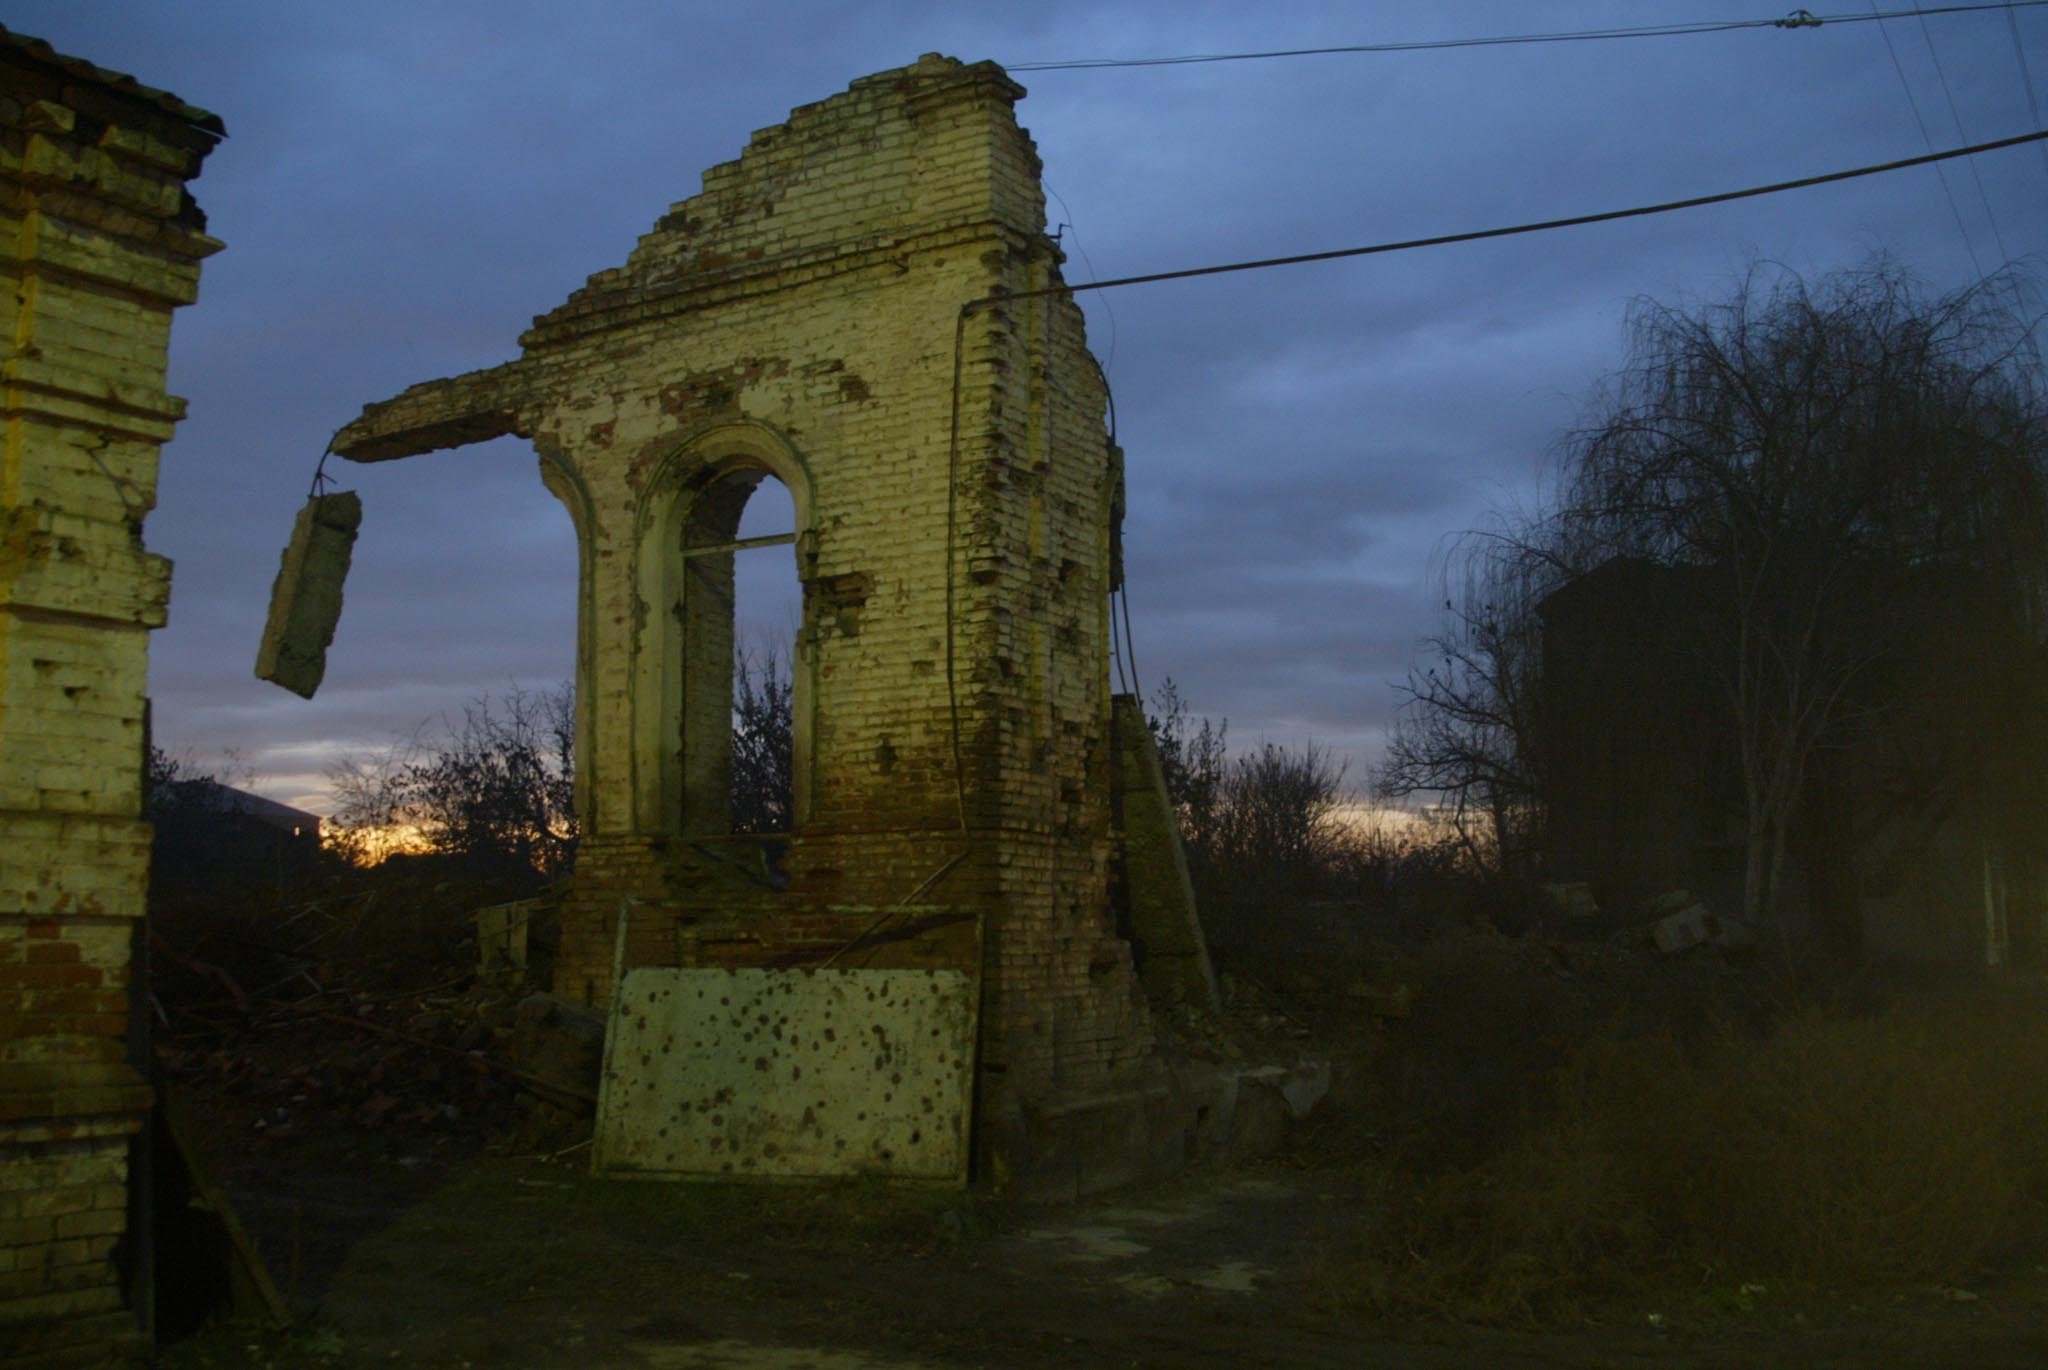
[
  {"x": 495, "y": 792},
  {"x": 1557, "y": 1131},
  {"x": 1276, "y": 842},
  {"x": 1909, "y": 1145},
  {"x": 763, "y": 743},
  {"x": 1831, "y": 493}
]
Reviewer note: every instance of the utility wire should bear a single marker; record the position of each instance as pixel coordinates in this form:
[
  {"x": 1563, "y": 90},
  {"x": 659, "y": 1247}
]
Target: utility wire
[
  {"x": 1928, "y": 138},
  {"x": 1129, "y": 645},
  {"x": 1933, "y": 56},
  {"x": 2019, "y": 50},
  {"x": 1477, "y": 235},
  {"x": 1797, "y": 19},
  {"x": 1088, "y": 262}
]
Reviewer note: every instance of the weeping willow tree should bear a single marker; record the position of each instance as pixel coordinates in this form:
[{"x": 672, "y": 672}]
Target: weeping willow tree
[
  {"x": 1836, "y": 491},
  {"x": 1849, "y": 475},
  {"x": 1468, "y": 731}
]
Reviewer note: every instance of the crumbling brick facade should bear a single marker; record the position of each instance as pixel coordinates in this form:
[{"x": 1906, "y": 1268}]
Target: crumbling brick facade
[
  {"x": 99, "y": 242},
  {"x": 806, "y": 319}
]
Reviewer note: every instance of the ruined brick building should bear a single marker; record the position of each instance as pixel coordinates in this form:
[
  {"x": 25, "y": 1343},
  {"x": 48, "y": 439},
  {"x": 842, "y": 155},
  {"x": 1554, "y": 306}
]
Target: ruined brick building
[
  {"x": 862, "y": 309},
  {"x": 99, "y": 243}
]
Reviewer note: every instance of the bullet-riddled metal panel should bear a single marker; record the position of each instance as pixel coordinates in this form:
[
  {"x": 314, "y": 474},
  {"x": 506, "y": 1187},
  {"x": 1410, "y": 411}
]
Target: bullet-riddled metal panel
[{"x": 788, "y": 1073}]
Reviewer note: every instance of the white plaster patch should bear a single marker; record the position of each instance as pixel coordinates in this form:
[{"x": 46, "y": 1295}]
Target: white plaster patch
[
  {"x": 1231, "y": 1277},
  {"x": 1091, "y": 1243},
  {"x": 729, "y": 1354}
]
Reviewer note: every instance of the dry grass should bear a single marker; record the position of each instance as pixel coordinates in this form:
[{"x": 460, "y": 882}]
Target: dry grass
[{"x": 1910, "y": 1145}]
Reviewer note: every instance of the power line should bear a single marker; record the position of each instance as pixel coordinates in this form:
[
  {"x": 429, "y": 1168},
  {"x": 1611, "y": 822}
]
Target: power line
[
  {"x": 1928, "y": 138},
  {"x": 1957, "y": 115},
  {"x": 1129, "y": 645},
  {"x": 2019, "y": 50},
  {"x": 1477, "y": 235},
  {"x": 1797, "y": 19}
]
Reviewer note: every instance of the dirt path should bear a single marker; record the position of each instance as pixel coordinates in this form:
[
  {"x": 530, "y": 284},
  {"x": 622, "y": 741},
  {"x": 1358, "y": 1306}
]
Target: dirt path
[
  {"x": 683, "y": 1280},
  {"x": 515, "y": 1263}
]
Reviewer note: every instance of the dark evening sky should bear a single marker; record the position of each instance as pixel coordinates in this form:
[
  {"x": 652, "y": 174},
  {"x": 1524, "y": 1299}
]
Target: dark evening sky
[{"x": 404, "y": 185}]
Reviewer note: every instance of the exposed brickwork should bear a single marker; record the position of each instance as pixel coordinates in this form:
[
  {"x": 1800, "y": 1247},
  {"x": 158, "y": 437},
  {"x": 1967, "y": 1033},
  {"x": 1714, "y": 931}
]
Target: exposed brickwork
[
  {"x": 1155, "y": 893},
  {"x": 953, "y": 519},
  {"x": 98, "y": 244}
]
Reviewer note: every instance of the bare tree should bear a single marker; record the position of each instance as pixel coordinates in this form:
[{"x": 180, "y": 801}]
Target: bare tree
[
  {"x": 1193, "y": 762},
  {"x": 763, "y": 743},
  {"x": 496, "y": 790},
  {"x": 1260, "y": 829},
  {"x": 1829, "y": 497},
  {"x": 1275, "y": 823},
  {"x": 1807, "y": 456},
  {"x": 1468, "y": 718}
]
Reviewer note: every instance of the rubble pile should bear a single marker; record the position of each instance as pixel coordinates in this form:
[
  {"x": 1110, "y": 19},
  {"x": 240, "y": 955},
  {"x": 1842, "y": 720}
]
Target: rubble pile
[
  {"x": 413, "y": 1064},
  {"x": 284, "y": 1031}
]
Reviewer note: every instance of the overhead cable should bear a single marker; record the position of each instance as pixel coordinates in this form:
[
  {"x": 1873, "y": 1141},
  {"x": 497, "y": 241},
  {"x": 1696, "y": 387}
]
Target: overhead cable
[
  {"x": 1797, "y": 19},
  {"x": 1477, "y": 235},
  {"x": 1928, "y": 138},
  {"x": 970, "y": 308},
  {"x": 1956, "y": 114},
  {"x": 2019, "y": 51}
]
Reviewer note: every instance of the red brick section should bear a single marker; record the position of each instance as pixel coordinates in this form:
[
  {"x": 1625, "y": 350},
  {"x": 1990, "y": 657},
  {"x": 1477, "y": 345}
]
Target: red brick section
[{"x": 99, "y": 243}]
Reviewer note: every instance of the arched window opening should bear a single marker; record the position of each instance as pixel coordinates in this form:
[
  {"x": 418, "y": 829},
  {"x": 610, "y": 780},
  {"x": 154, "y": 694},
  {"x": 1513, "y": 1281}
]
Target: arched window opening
[{"x": 740, "y": 606}]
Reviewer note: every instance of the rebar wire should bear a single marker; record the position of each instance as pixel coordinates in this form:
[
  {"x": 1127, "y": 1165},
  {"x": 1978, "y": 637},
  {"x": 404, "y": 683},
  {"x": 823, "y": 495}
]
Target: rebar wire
[{"x": 321, "y": 479}]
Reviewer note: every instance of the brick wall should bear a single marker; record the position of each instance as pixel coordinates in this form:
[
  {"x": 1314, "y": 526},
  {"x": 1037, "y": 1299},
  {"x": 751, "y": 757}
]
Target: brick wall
[
  {"x": 799, "y": 317},
  {"x": 99, "y": 242}
]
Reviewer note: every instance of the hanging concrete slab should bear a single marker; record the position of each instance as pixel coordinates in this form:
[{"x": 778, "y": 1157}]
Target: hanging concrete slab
[
  {"x": 305, "y": 599},
  {"x": 788, "y": 1073}
]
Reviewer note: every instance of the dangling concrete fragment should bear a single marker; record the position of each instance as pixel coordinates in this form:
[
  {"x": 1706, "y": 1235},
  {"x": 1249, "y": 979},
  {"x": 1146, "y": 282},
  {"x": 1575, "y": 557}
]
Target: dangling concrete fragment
[{"x": 305, "y": 599}]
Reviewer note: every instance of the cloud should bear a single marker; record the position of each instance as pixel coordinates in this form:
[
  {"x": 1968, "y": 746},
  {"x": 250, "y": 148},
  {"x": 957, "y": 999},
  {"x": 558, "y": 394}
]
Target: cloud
[{"x": 406, "y": 185}]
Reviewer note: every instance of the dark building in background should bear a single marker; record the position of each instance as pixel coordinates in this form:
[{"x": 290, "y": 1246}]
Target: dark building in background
[
  {"x": 1921, "y": 832},
  {"x": 215, "y": 841},
  {"x": 1641, "y": 795}
]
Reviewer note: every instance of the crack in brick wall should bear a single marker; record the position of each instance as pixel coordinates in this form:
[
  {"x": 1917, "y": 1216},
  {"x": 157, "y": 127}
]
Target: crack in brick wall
[{"x": 99, "y": 243}]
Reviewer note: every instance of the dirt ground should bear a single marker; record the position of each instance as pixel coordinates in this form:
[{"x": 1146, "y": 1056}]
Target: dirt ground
[
  {"x": 408, "y": 1230},
  {"x": 473, "y": 1260}
]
